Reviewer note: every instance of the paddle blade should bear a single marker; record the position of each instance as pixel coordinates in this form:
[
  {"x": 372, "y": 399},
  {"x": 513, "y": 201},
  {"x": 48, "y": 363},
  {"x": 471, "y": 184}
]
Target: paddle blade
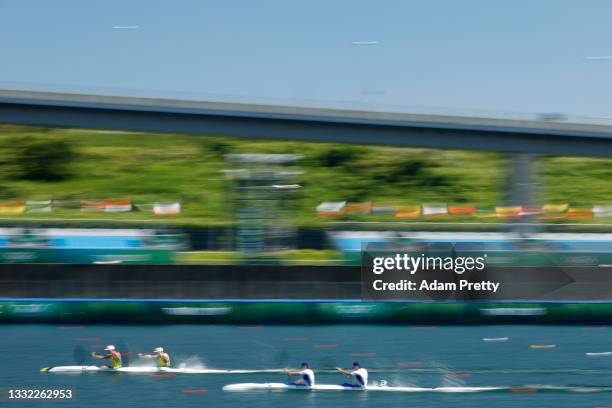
[
  {"x": 281, "y": 359},
  {"x": 80, "y": 355},
  {"x": 327, "y": 363},
  {"x": 126, "y": 355}
]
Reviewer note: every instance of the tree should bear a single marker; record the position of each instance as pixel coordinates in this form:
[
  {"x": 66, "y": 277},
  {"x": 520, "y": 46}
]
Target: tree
[{"x": 43, "y": 159}]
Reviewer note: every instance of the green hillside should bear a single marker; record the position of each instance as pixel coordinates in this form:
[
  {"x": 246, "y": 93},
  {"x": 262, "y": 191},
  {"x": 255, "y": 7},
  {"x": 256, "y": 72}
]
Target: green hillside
[{"x": 145, "y": 167}]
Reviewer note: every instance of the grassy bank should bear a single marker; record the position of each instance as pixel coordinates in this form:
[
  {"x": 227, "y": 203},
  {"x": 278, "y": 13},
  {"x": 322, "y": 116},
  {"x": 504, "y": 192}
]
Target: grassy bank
[{"x": 149, "y": 168}]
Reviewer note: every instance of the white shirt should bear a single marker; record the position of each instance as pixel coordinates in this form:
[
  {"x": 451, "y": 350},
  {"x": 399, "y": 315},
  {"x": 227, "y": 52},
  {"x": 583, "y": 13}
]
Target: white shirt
[
  {"x": 363, "y": 373},
  {"x": 308, "y": 376}
]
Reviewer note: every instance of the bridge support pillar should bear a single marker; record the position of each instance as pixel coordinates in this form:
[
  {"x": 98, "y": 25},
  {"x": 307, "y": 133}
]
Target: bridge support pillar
[{"x": 522, "y": 188}]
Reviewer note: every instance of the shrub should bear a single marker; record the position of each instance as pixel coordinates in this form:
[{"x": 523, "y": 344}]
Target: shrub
[
  {"x": 338, "y": 156},
  {"x": 416, "y": 172},
  {"x": 217, "y": 148},
  {"x": 43, "y": 159}
]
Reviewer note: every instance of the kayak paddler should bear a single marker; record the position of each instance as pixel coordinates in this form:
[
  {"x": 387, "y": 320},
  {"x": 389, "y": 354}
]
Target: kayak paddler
[
  {"x": 308, "y": 377},
  {"x": 161, "y": 358},
  {"x": 359, "y": 375},
  {"x": 113, "y": 356}
]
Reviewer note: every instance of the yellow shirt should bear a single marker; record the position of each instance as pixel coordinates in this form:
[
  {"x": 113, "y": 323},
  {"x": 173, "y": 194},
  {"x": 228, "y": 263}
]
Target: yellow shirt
[
  {"x": 115, "y": 361},
  {"x": 163, "y": 362}
]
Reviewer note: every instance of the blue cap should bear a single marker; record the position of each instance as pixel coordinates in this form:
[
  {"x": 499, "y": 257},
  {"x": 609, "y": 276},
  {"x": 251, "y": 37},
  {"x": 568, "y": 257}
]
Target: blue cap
[
  {"x": 356, "y": 364},
  {"x": 304, "y": 365}
]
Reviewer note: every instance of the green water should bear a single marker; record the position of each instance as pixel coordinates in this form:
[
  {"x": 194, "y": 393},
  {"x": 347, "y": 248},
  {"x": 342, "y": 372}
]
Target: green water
[{"x": 416, "y": 356}]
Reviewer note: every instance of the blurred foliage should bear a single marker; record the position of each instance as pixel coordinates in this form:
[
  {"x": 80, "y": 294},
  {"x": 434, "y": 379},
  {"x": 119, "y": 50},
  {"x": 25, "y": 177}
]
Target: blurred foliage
[
  {"x": 579, "y": 181},
  {"x": 293, "y": 256},
  {"x": 94, "y": 164},
  {"x": 41, "y": 159},
  {"x": 217, "y": 148},
  {"x": 414, "y": 172},
  {"x": 339, "y": 155}
]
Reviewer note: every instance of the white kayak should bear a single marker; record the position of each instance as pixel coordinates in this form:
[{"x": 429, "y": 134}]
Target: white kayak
[
  {"x": 241, "y": 387},
  {"x": 152, "y": 370}
]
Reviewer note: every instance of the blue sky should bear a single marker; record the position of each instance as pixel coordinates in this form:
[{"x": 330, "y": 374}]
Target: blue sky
[{"x": 466, "y": 56}]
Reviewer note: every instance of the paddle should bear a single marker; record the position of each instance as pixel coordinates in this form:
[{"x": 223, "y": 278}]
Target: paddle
[
  {"x": 328, "y": 363},
  {"x": 81, "y": 356},
  {"x": 125, "y": 353},
  {"x": 281, "y": 359}
]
